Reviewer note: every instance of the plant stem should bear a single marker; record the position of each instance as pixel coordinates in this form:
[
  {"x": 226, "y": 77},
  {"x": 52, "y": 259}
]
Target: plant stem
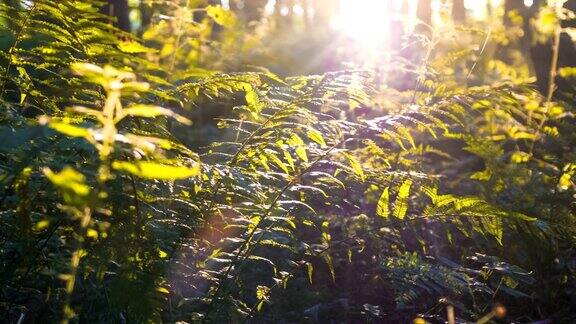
[{"x": 551, "y": 82}]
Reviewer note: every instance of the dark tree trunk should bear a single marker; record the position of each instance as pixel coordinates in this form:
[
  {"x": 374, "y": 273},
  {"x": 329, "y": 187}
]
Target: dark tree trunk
[
  {"x": 118, "y": 9},
  {"x": 518, "y": 6},
  {"x": 522, "y": 43},
  {"x": 146, "y": 12},
  {"x": 458, "y": 11},
  {"x": 567, "y": 57},
  {"x": 541, "y": 53}
]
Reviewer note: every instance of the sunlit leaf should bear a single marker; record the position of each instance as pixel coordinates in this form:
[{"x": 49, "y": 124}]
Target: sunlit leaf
[
  {"x": 41, "y": 225},
  {"x": 401, "y": 203},
  {"x": 253, "y": 101},
  {"x": 309, "y": 271},
  {"x": 328, "y": 259},
  {"x": 520, "y": 157},
  {"x": 567, "y": 72},
  {"x": 221, "y": 16},
  {"x": 148, "y": 111},
  {"x": 71, "y": 183},
  {"x": 382, "y": 209},
  {"x": 278, "y": 162},
  {"x": 316, "y": 136},
  {"x": 356, "y": 166},
  {"x": 69, "y": 130},
  {"x": 482, "y": 175},
  {"x": 154, "y": 170},
  {"x": 92, "y": 233},
  {"x": 133, "y": 47},
  {"x": 301, "y": 152},
  {"x": 162, "y": 290}
]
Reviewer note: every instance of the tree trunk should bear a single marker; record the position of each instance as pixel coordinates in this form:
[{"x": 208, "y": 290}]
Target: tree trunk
[
  {"x": 458, "y": 12},
  {"x": 541, "y": 53},
  {"x": 118, "y": 9},
  {"x": 146, "y": 12}
]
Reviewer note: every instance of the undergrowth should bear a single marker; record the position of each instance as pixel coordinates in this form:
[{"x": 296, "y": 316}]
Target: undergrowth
[{"x": 118, "y": 206}]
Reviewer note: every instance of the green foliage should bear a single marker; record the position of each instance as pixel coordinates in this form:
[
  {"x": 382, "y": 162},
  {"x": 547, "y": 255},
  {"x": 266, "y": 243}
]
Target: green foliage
[{"x": 293, "y": 205}]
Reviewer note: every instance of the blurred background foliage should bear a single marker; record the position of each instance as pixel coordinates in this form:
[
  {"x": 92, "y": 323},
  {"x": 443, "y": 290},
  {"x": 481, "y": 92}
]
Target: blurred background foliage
[{"x": 322, "y": 161}]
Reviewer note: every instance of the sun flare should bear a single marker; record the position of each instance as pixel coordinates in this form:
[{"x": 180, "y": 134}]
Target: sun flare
[{"x": 364, "y": 21}]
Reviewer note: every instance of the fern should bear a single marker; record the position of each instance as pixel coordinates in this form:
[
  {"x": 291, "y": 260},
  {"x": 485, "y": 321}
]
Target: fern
[{"x": 112, "y": 212}]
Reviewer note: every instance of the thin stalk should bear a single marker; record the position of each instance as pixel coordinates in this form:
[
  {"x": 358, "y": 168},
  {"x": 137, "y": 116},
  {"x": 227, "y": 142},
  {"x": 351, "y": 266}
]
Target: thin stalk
[
  {"x": 70, "y": 278},
  {"x": 484, "y": 44},
  {"x": 551, "y": 82}
]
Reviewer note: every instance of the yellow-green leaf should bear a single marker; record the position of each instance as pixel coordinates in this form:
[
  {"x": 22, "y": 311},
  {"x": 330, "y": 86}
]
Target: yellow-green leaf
[
  {"x": 567, "y": 72},
  {"x": 565, "y": 181},
  {"x": 328, "y": 259},
  {"x": 154, "y": 170},
  {"x": 69, "y": 181},
  {"x": 520, "y": 157},
  {"x": 278, "y": 162},
  {"x": 133, "y": 47},
  {"x": 162, "y": 290},
  {"x": 69, "y": 130},
  {"x": 401, "y": 205},
  {"x": 382, "y": 209},
  {"x": 356, "y": 166},
  {"x": 298, "y": 144},
  {"x": 87, "y": 69},
  {"x": 149, "y": 111},
  {"x": 482, "y": 175},
  {"x": 42, "y": 224},
  {"x": 310, "y": 271},
  {"x": 253, "y": 100},
  {"x": 301, "y": 152},
  {"x": 92, "y": 233},
  {"x": 289, "y": 159},
  {"x": 316, "y": 136},
  {"x": 221, "y": 16}
]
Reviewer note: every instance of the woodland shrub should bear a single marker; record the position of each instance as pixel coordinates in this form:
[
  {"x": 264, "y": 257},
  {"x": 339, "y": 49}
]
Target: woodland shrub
[{"x": 303, "y": 197}]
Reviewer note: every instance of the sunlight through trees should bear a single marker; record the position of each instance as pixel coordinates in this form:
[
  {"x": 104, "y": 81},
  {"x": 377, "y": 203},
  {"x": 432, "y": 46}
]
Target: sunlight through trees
[{"x": 287, "y": 161}]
